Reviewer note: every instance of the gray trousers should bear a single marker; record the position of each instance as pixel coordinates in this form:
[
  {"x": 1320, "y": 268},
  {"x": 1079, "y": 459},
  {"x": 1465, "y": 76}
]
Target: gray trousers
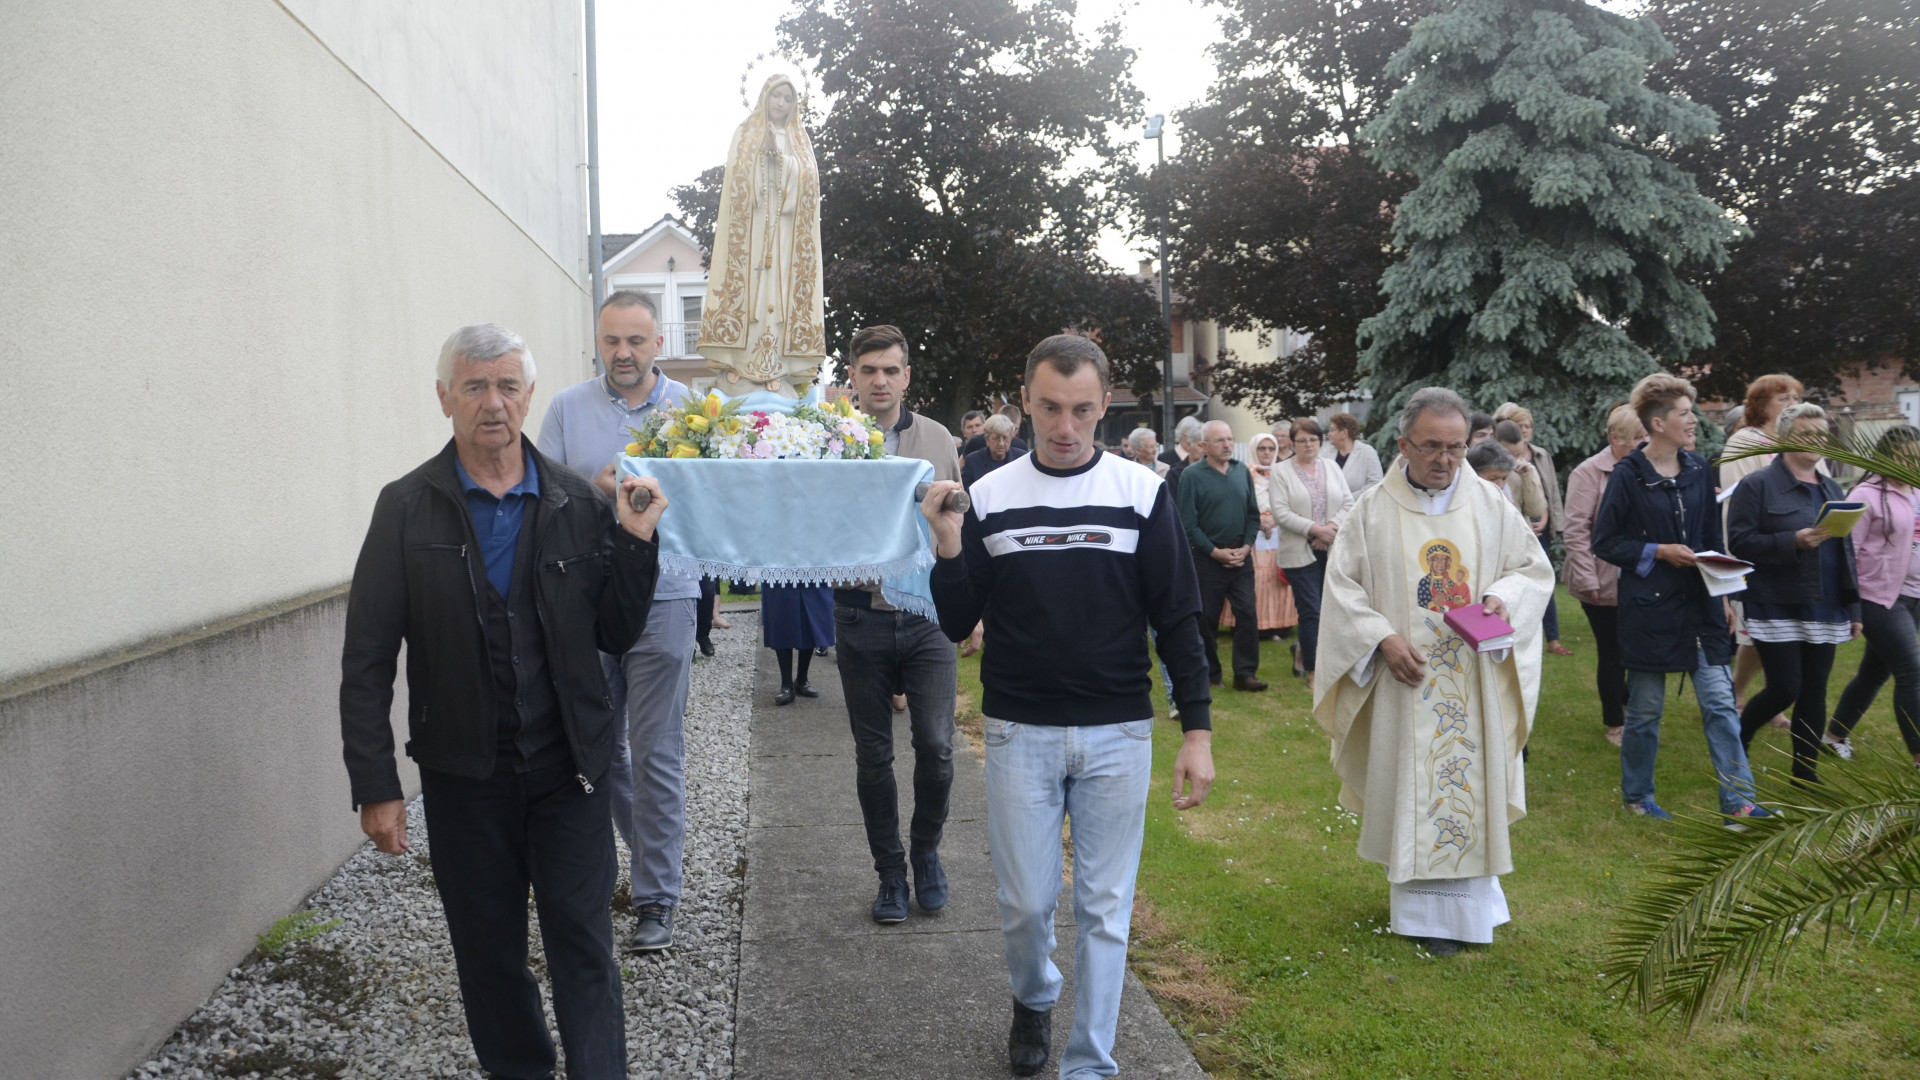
[{"x": 648, "y": 779}]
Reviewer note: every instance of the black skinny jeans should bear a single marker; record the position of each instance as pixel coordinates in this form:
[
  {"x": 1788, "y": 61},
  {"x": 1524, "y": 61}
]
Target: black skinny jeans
[
  {"x": 878, "y": 651},
  {"x": 1796, "y": 675},
  {"x": 1609, "y": 676},
  {"x": 1893, "y": 649}
]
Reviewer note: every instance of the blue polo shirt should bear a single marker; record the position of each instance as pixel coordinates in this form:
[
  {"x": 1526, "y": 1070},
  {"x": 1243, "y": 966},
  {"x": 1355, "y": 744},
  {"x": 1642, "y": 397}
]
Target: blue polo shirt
[
  {"x": 496, "y": 521},
  {"x": 586, "y": 427}
]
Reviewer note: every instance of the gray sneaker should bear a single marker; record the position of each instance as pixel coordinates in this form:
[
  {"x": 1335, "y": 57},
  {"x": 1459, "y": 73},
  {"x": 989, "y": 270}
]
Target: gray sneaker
[{"x": 655, "y": 931}]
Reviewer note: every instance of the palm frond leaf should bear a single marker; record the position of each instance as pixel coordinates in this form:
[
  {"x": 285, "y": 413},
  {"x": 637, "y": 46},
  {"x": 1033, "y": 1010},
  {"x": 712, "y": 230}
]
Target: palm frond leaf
[
  {"x": 1894, "y": 454},
  {"x": 1728, "y": 909}
]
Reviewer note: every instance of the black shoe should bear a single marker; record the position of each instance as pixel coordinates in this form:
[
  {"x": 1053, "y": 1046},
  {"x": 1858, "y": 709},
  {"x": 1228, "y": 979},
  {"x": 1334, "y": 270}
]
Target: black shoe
[
  {"x": 706, "y": 648},
  {"x": 1442, "y": 947},
  {"x": 929, "y": 881},
  {"x": 1030, "y": 1041},
  {"x": 891, "y": 905},
  {"x": 819, "y": 652},
  {"x": 655, "y": 931},
  {"x": 784, "y": 697},
  {"x": 806, "y": 689},
  {"x": 1298, "y": 671},
  {"x": 1249, "y": 684}
]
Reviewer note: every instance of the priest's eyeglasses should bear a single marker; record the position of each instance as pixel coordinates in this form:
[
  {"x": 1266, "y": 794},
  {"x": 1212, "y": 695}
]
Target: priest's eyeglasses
[{"x": 1456, "y": 451}]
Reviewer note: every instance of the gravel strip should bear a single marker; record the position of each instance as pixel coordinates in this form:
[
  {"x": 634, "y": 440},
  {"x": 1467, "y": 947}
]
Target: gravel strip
[{"x": 376, "y": 996}]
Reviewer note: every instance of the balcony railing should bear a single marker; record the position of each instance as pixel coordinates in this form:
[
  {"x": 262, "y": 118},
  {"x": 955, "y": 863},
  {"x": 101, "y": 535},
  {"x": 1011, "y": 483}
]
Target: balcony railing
[{"x": 681, "y": 337}]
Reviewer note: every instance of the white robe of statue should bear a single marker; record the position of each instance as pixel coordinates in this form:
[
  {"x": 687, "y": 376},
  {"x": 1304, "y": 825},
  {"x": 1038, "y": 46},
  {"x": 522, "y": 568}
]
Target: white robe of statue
[
  {"x": 763, "y": 325},
  {"x": 1434, "y": 771}
]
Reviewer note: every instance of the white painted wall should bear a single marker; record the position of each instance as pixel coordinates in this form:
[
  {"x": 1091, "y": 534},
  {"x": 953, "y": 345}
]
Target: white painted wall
[
  {"x": 230, "y": 263},
  {"x": 498, "y": 89}
]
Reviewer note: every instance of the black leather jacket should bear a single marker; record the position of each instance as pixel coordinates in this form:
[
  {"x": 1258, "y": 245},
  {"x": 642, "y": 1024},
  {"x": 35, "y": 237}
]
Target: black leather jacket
[{"x": 417, "y": 580}]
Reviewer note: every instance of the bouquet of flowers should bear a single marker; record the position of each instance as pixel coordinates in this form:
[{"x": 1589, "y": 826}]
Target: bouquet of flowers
[{"x": 711, "y": 428}]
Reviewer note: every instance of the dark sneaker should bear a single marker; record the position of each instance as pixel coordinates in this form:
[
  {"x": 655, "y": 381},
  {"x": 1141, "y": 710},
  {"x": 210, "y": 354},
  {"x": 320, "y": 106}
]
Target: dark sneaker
[
  {"x": 1442, "y": 947},
  {"x": 655, "y": 931},
  {"x": 891, "y": 905},
  {"x": 929, "y": 882},
  {"x": 1030, "y": 1041}
]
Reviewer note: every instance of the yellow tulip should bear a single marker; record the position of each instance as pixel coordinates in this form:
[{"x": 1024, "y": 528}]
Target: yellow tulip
[
  {"x": 712, "y": 405},
  {"x": 685, "y": 450},
  {"x": 876, "y": 437},
  {"x": 696, "y": 422},
  {"x": 633, "y": 449}
]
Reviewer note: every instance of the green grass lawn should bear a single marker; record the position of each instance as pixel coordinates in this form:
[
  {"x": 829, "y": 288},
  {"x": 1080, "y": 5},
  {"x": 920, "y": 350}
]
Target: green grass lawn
[{"x": 1263, "y": 935}]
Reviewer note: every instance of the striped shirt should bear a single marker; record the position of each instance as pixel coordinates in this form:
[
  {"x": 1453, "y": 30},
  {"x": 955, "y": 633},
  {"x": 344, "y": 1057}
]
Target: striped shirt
[{"x": 1071, "y": 567}]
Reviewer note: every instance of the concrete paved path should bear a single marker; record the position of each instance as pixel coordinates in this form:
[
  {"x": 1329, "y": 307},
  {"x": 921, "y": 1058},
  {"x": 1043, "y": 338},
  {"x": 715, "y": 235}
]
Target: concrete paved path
[{"x": 824, "y": 991}]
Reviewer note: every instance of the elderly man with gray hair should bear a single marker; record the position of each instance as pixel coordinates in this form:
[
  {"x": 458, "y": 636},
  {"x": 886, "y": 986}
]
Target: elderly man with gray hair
[
  {"x": 1221, "y": 515},
  {"x": 1428, "y": 749},
  {"x": 506, "y": 575}
]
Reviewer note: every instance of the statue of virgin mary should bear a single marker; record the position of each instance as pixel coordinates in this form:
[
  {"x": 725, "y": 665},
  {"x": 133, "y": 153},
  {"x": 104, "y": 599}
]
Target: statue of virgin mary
[{"x": 764, "y": 322}]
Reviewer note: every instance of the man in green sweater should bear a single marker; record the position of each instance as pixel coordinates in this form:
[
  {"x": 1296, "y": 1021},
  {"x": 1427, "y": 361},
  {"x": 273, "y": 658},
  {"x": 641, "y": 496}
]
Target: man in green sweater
[{"x": 1220, "y": 515}]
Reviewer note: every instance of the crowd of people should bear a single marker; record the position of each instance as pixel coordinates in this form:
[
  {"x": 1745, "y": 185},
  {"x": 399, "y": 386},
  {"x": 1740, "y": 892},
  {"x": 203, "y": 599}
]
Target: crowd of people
[{"x": 548, "y": 655}]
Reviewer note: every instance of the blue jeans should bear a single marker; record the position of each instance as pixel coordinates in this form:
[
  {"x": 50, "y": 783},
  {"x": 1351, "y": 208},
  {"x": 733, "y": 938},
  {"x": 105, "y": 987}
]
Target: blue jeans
[
  {"x": 1640, "y": 741},
  {"x": 1037, "y": 777},
  {"x": 648, "y": 778}
]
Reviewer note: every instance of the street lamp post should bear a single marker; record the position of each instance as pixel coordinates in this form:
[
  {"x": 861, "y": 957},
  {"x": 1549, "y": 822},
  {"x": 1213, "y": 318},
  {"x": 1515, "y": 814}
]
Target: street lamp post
[{"x": 1156, "y": 125}]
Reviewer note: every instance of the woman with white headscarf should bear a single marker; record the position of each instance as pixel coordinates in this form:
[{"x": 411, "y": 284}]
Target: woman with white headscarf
[
  {"x": 764, "y": 321},
  {"x": 1272, "y": 597}
]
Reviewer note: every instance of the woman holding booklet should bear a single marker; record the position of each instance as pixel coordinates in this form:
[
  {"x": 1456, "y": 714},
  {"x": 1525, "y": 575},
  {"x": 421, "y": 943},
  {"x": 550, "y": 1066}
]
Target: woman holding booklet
[
  {"x": 1802, "y": 600},
  {"x": 1886, "y": 545}
]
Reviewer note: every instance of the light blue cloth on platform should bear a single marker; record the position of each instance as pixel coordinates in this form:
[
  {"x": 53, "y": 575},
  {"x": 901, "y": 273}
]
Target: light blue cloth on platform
[{"x": 792, "y": 522}]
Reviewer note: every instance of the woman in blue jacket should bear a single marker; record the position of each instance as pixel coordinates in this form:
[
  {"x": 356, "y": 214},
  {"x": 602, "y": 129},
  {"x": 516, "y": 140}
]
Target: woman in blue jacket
[{"x": 1802, "y": 597}]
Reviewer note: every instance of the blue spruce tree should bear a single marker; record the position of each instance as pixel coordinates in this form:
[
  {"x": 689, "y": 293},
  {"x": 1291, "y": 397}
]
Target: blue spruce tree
[{"x": 1545, "y": 230}]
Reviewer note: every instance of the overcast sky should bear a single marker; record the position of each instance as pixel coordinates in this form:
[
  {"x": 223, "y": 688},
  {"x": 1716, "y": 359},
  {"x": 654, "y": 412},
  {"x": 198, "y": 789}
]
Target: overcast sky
[{"x": 670, "y": 88}]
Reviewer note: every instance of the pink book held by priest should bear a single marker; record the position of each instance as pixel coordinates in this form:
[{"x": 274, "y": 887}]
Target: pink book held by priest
[{"x": 1486, "y": 633}]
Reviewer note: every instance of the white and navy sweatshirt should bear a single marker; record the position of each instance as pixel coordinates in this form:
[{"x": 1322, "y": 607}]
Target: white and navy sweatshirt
[{"x": 1071, "y": 567}]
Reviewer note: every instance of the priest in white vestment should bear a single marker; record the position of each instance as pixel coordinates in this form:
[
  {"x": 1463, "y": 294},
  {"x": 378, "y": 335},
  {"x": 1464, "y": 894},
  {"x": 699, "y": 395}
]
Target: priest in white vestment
[{"x": 1427, "y": 733}]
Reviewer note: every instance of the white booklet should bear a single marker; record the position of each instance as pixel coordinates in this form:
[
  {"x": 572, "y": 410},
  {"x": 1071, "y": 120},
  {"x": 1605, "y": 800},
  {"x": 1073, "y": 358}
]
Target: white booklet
[{"x": 1723, "y": 573}]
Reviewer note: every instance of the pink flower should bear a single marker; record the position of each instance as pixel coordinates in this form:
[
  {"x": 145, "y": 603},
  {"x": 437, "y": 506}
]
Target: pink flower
[
  {"x": 759, "y": 420},
  {"x": 763, "y": 449},
  {"x": 835, "y": 447}
]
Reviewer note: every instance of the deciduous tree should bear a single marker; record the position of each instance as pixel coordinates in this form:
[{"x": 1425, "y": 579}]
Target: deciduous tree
[
  {"x": 1276, "y": 220},
  {"x": 1819, "y": 151}
]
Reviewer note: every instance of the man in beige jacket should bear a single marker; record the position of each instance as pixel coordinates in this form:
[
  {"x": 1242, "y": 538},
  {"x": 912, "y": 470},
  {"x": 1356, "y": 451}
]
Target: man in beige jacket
[{"x": 1593, "y": 581}]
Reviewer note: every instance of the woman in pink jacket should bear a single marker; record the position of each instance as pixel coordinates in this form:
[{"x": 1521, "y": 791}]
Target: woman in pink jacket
[
  {"x": 1593, "y": 581},
  {"x": 1886, "y": 544}
]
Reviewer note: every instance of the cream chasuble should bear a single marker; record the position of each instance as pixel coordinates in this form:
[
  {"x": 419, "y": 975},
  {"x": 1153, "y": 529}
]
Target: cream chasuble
[{"x": 1434, "y": 771}]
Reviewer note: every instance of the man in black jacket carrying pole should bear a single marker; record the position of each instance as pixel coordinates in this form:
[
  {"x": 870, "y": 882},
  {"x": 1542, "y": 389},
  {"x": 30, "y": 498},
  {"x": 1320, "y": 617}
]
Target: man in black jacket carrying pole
[{"x": 506, "y": 575}]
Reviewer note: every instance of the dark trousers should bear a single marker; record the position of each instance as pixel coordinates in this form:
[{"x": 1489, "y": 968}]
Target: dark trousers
[
  {"x": 1893, "y": 649},
  {"x": 879, "y": 650},
  {"x": 1609, "y": 676},
  {"x": 489, "y": 840},
  {"x": 1307, "y": 582},
  {"x": 1796, "y": 675},
  {"x": 1550, "y": 622},
  {"x": 703, "y": 615},
  {"x": 1230, "y": 585}
]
